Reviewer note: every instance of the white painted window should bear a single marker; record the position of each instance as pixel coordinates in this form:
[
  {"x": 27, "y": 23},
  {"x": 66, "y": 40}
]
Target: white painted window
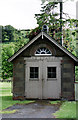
[
  {"x": 34, "y": 72},
  {"x": 43, "y": 51},
  {"x": 51, "y": 72}
]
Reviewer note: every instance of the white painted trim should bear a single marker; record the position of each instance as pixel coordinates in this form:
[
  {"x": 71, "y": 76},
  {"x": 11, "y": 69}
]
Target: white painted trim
[
  {"x": 43, "y": 54},
  {"x": 54, "y": 59},
  {"x": 42, "y": 35},
  {"x": 47, "y": 36},
  {"x": 40, "y": 50}
]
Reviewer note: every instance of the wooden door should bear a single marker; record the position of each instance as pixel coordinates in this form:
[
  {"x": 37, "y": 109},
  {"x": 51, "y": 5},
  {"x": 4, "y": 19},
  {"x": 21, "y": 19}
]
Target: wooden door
[
  {"x": 33, "y": 86},
  {"x": 43, "y": 79},
  {"x": 51, "y": 80}
]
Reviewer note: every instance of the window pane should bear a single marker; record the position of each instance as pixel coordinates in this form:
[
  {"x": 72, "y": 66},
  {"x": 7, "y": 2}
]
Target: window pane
[
  {"x": 51, "y": 72},
  {"x": 43, "y": 51},
  {"x": 33, "y": 72},
  {"x": 31, "y": 69},
  {"x": 36, "y": 69},
  {"x": 36, "y": 75},
  {"x": 31, "y": 75}
]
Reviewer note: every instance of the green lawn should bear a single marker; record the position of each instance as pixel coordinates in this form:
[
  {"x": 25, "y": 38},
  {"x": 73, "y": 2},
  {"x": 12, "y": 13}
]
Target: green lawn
[
  {"x": 6, "y": 98},
  {"x": 67, "y": 110},
  {"x": 55, "y": 102}
]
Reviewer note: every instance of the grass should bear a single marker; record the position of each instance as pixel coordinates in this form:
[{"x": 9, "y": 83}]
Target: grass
[
  {"x": 6, "y": 98},
  {"x": 7, "y": 102},
  {"x": 8, "y": 112},
  {"x": 67, "y": 110},
  {"x": 55, "y": 102}
]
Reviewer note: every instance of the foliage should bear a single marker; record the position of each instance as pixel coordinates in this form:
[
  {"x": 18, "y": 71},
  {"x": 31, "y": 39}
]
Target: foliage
[
  {"x": 49, "y": 18},
  {"x": 67, "y": 110},
  {"x": 53, "y": 21},
  {"x": 10, "y": 34},
  {"x": 7, "y": 33},
  {"x": 7, "y": 51},
  {"x": 13, "y": 40},
  {"x": 76, "y": 73},
  {"x": 69, "y": 39},
  {"x": 20, "y": 43}
]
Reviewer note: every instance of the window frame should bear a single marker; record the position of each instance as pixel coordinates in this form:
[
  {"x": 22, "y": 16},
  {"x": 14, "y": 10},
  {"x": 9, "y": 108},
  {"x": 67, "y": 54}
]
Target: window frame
[
  {"x": 33, "y": 79},
  {"x": 50, "y": 79},
  {"x": 45, "y": 50}
]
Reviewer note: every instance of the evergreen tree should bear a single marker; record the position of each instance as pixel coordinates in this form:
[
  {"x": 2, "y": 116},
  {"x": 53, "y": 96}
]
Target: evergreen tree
[{"x": 52, "y": 20}]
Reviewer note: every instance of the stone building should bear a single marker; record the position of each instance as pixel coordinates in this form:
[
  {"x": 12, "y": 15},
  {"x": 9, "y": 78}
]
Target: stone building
[{"x": 43, "y": 69}]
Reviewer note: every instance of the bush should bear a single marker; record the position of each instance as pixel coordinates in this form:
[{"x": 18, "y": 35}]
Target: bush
[{"x": 7, "y": 68}]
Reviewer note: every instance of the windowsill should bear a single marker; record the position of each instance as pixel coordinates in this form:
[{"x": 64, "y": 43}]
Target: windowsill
[
  {"x": 43, "y": 54},
  {"x": 51, "y": 79},
  {"x": 33, "y": 79}
]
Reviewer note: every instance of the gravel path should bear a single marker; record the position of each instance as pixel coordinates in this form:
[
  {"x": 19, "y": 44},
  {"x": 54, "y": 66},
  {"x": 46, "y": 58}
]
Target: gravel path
[{"x": 39, "y": 109}]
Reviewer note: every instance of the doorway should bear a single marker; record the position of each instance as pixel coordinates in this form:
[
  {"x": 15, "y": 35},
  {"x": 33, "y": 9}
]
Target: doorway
[{"x": 43, "y": 78}]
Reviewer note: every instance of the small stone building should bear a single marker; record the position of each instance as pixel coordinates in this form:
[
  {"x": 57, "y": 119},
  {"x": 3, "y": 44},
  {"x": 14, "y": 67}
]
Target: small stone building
[{"x": 43, "y": 69}]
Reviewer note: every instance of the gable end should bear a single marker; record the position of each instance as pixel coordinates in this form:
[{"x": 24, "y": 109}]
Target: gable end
[{"x": 50, "y": 39}]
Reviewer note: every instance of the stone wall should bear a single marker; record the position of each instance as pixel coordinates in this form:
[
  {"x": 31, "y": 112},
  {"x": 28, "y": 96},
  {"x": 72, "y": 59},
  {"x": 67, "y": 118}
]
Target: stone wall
[
  {"x": 68, "y": 78},
  {"x": 18, "y": 79}
]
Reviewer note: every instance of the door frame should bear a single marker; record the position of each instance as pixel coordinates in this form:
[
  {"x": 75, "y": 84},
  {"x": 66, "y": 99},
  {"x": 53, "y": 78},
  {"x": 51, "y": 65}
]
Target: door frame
[{"x": 33, "y": 59}]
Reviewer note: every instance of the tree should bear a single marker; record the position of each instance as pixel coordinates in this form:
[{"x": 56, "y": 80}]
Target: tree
[
  {"x": 49, "y": 18},
  {"x": 16, "y": 39},
  {"x": 8, "y": 33},
  {"x": 20, "y": 43},
  {"x": 7, "y": 68},
  {"x": 52, "y": 20},
  {"x": 7, "y": 51}
]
